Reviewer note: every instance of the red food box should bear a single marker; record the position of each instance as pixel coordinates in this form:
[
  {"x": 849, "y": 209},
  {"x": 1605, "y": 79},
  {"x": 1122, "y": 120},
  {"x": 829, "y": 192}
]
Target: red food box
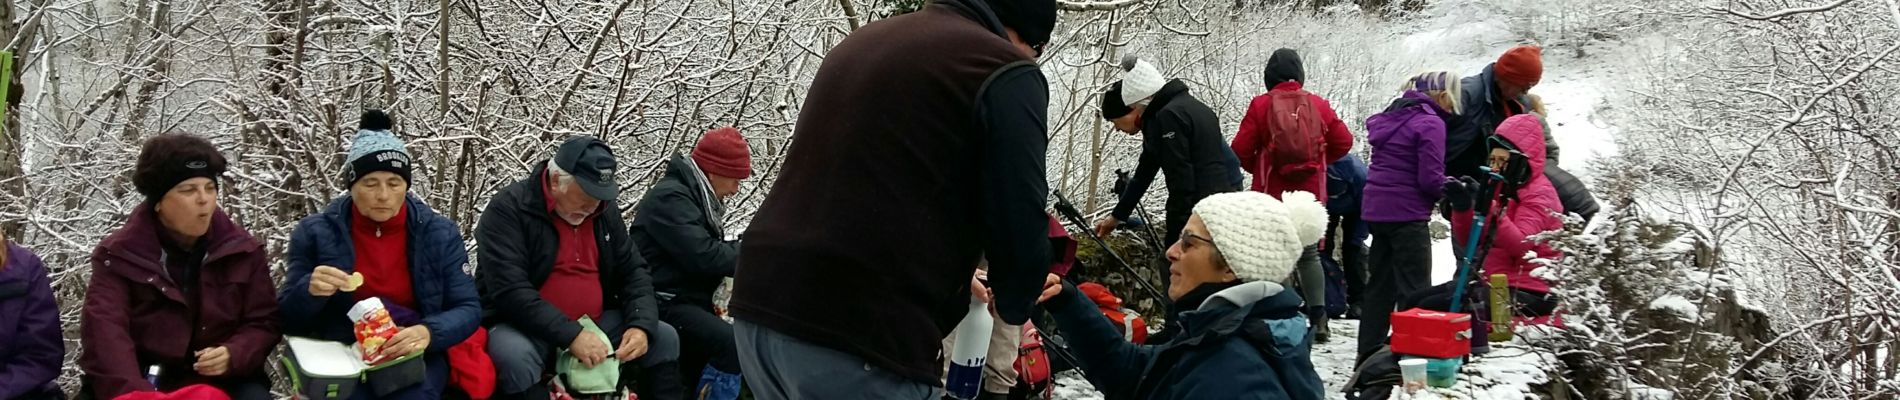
[{"x": 1432, "y": 334}]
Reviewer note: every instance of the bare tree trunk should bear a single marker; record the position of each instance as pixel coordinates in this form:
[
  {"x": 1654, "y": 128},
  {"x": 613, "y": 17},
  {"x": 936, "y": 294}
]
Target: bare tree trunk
[
  {"x": 850, "y": 13},
  {"x": 1095, "y": 141},
  {"x": 153, "y": 73}
]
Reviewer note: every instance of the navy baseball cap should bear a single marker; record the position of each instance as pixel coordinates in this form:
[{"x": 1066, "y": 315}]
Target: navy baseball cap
[{"x": 592, "y": 164}]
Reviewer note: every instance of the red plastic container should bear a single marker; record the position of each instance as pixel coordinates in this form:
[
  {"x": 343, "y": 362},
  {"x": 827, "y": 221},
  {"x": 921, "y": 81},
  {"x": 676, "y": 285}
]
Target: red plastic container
[{"x": 1432, "y": 334}]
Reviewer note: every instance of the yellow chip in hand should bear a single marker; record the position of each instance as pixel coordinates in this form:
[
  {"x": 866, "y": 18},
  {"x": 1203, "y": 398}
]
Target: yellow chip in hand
[{"x": 356, "y": 280}]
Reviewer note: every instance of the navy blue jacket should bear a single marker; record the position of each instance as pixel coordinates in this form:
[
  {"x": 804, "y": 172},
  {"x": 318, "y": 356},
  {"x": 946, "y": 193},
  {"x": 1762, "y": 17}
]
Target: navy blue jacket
[
  {"x": 1247, "y": 342},
  {"x": 445, "y": 295},
  {"x": 1345, "y": 185},
  {"x": 1480, "y": 112}
]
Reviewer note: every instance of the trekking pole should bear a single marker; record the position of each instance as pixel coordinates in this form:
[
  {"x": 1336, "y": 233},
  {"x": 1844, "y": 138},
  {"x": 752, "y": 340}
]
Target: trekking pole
[
  {"x": 1471, "y": 247},
  {"x": 1153, "y": 239},
  {"x": 1069, "y": 212}
]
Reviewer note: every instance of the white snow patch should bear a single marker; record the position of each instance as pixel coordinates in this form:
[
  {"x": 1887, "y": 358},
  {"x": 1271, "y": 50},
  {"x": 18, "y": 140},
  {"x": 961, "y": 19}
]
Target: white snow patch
[
  {"x": 1640, "y": 392},
  {"x": 1071, "y": 386},
  {"x": 1673, "y": 304},
  {"x": 1510, "y": 371}
]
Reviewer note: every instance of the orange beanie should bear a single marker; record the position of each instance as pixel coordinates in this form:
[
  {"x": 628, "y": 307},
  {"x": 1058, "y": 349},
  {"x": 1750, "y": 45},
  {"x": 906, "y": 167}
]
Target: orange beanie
[{"x": 1522, "y": 65}]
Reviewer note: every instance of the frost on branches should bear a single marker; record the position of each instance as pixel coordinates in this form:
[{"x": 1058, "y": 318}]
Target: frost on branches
[{"x": 1650, "y": 307}]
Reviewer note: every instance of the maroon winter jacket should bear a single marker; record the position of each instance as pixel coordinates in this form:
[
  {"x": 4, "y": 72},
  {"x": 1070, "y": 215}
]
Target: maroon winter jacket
[{"x": 135, "y": 316}]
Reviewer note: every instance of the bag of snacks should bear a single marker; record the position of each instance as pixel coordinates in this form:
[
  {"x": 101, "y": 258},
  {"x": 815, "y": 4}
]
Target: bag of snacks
[{"x": 373, "y": 328}]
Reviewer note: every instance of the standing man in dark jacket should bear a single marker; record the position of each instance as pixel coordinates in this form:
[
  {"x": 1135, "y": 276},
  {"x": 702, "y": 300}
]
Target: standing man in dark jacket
[
  {"x": 1181, "y": 137},
  {"x": 679, "y": 228},
  {"x": 31, "y": 350},
  {"x": 554, "y": 249},
  {"x": 1499, "y": 92},
  {"x": 920, "y": 147}
]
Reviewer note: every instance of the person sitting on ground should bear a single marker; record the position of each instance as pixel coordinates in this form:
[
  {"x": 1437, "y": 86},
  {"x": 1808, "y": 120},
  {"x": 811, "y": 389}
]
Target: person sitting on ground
[
  {"x": 408, "y": 256},
  {"x": 1514, "y": 216},
  {"x": 181, "y": 289},
  {"x": 31, "y": 349},
  {"x": 1245, "y": 336},
  {"x": 679, "y": 229},
  {"x": 553, "y": 249}
]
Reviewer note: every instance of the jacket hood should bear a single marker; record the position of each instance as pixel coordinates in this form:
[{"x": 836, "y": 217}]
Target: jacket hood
[
  {"x": 1225, "y": 311},
  {"x": 1413, "y": 98},
  {"x": 1527, "y": 134},
  {"x": 1245, "y": 294},
  {"x": 1284, "y": 65}
]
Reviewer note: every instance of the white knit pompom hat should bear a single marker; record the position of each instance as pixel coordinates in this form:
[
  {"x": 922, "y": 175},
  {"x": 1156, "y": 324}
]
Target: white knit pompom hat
[
  {"x": 1140, "y": 80},
  {"x": 1262, "y": 238}
]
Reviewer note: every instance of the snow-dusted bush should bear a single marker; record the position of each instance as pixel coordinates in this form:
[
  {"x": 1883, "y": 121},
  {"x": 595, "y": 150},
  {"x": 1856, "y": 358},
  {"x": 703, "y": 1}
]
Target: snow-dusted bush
[
  {"x": 1650, "y": 306},
  {"x": 1772, "y": 125}
]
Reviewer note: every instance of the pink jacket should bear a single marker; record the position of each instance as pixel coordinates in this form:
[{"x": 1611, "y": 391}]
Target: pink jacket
[{"x": 1536, "y": 211}]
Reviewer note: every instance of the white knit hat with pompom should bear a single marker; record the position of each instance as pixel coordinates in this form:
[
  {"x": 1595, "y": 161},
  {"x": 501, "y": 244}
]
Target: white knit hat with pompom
[{"x": 1262, "y": 238}]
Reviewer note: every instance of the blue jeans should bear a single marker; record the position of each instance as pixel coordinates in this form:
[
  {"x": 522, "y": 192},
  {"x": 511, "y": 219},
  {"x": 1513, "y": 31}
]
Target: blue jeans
[{"x": 520, "y": 360}]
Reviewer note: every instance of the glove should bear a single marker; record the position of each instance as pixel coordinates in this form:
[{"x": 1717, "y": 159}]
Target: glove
[{"x": 1459, "y": 193}]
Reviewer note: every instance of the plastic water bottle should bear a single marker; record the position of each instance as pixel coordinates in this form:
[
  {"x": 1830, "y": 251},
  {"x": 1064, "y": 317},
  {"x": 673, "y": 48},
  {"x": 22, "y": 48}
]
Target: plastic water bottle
[
  {"x": 967, "y": 355},
  {"x": 1501, "y": 308}
]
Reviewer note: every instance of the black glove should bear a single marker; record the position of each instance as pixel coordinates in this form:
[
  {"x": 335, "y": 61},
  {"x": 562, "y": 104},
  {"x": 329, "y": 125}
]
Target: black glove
[
  {"x": 1121, "y": 182},
  {"x": 1461, "y": 194}
]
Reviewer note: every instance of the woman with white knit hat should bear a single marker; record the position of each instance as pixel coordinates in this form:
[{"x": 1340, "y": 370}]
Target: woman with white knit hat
[{"x": 1245, "y": 336}]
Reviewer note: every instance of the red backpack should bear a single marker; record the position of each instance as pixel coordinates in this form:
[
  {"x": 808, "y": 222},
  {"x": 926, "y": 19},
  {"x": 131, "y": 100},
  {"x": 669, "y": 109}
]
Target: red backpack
[
  {"x": 1032, "y": 365},
  {"x": 1294, "y": 151},
  {"x": 1126, "y": 320}
]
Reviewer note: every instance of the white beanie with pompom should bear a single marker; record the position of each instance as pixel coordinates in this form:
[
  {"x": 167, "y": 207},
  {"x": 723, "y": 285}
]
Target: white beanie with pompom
[{"x": 1262, "y": 238}]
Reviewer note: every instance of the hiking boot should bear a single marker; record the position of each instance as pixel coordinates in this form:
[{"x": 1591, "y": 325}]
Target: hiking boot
[
  {"x": 661, "y": 382},
  {"x": 1322, "y": 332}
]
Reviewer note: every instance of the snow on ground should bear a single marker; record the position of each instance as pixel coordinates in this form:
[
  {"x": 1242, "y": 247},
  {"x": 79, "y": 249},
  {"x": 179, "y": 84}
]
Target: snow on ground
[
  {"x": 1509, "y": 372},
  {"x": 1574, "y": 92},
  {"x": 1071, "y": 386}
]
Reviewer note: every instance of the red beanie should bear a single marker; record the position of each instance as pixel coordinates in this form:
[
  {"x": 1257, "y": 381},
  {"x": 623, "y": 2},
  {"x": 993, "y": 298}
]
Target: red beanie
[
  {"x": 1522, "y": 65},
  {"x": 723, "y": 152}
]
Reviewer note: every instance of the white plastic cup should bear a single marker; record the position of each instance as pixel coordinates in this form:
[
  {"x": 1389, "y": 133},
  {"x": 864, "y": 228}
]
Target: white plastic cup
[{"x": 1412, "y": 370}]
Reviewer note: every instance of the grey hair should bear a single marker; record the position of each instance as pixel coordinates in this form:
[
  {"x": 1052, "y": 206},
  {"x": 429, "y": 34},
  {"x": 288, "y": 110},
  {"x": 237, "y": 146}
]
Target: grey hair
[{"x": 562, "y": 178}]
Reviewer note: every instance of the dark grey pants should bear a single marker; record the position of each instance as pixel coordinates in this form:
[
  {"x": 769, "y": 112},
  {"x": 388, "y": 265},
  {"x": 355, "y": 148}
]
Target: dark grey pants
[
  {"x": 1399, "y": 264},
  {"x": 520, "y": 359},
  {"x": 780, "y": 367}
]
